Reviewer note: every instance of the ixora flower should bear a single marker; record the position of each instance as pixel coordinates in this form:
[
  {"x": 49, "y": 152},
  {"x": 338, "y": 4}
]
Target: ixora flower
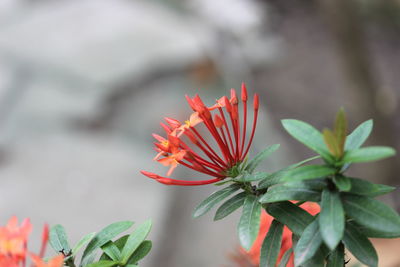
[{"x": 185, "y": 144}]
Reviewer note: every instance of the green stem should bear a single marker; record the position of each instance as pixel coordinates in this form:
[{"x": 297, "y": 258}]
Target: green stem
[{"x": 70, "y": 262}]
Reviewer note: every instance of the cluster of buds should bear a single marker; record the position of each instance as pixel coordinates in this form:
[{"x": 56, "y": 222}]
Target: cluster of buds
[
  {"x": 14, "y": 246},
  {"x": 226, "y": 127}
]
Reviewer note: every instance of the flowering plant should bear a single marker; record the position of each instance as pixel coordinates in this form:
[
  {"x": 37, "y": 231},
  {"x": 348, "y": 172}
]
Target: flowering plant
[{"x": 347, "y": 215}]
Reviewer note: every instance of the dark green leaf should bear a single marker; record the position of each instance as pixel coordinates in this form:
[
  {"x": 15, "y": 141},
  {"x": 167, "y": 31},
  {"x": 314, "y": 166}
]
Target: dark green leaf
[
  {"x": 249, "y": 223},
  {"x": 112, "y": 251},
  {"x": 372, "y": 214},
  {"x": 102, "y": 264},
  {"x": 308, "y": 243},
  {"x": 251, "y": 166},
  {"x": 141, "y": 252},
  {"x": 134, "y": 240},
  {"x": 230, "y": 206},
  {"x": 308, "y": 172},
  {"x": 214, "y": 199},
  {"x": 359, "y": 135},
  {"x": 251, "y": 177},
  {"x": 336, "y": 258},
  {"x": 291, "y": 215},
  {"x": 360, "y": 246},
  {"x": 331, "y": 218},
  {"x": 365, "y": 188},
  {"x": 82, "y": 242},
  {"x": 301, "y": 190},
  {"x": 373, "y": 233},
  {"x": 366, "y": 154},
  {"x": 58, "y": 239},
  {"x": 342, "y": 183},
  {"x": 103, "y": 237},
  {"x": 272, "y": 245},
  {"x": 285, "y": 258},
  {"x": 308, "y": 135}
]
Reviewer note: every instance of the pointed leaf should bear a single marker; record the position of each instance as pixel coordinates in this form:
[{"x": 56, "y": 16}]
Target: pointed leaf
[
  {"x": 373, "y": 233},
  {"x": 365, "y": 188},
  {"x": 366, "y": 154},
  {"x": 102, "y": 264},
  {"x": 331, "y": 218},
  {"x": 308, "y": 135},
  {"x": 230, "y": 206},
  {"x": 58, "y": 239},
  {"x": 331, "y": 142},
  {"x": 336, "y": 258},
  {"x": 291, "y": 215},
  {"x": 141, "y": 251},
  {"x": 251, "y": 166},
  {"x": 360, "y": 246},
  {"x": 308, "y": 243},
  {"x": 134, "y": 240},
  {"x": 214, "y": 199},
  {"x": 251, "y": 177},
  {"x": 359, "y": 135},
  {"x": 103, "y": 237},
  {"x": 249, "y": 223},
  {"x": 272, "y": 245},
  {"x": 372, "y": 214},
  {"x": 285, "y": 258},
  {"x": 112, "y": 251},
  {"x": 341, "y": 130},
  {"x": 308, "y": 172},
  {"x": 342, "y": 183},
  {"x": 82, "y": 242}
]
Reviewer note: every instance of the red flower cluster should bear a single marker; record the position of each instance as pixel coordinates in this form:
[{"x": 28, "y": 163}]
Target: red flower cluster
[
  {"x": 14, "y": 246},
  {"x": 225, "y": 128}
]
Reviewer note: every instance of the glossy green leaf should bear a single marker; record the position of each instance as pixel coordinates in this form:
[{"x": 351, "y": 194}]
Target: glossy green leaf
[
  {"x": 103, "y": 237},
  {"x": 58, "y": 239},
  {"x": 308, "y": 135},
  {"x": 365, "y": 188},
  {"x": 134, "y": 240},
  {"x": 372, "y": 214},
  {"x": 82, "y": 242},
  {"x": 230, "y": 206},
  {"x": 141, "y": 251},
  {"x": 272, "y": 245},
  {"x": 301, "y": 190},
  {"x": 251, "y": 166},
  {"x": 360, "y": 246},
  {"x": 291, "y": 215},
  {"x": 308, "y": 244},
  {"x": 373, "y": 233},
  {"x": 331, "y": 218},
  {"x": 342, "y": 183},
  {"x": 308, "y": 172},
  {"x": 366, "y": 154},
  {"x": 214, "y": 199},
  {"x": 359, "y": 135},
  {"x": 285, "y": 258},
  {"x": 112, "y": 251},
  {"x": 102, "y": 264},
  {"x": 249, "y": 223},
  {"x": 336, "y": 258}
]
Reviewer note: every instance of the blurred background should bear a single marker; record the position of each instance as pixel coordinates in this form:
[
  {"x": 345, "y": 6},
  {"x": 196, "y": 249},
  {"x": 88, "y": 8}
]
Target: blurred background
[{"x": 84, "y": 83}]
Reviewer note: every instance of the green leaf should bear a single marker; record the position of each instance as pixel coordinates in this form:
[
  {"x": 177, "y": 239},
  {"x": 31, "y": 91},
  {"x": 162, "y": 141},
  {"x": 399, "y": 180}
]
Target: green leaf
[
  {"x": 341, "y": 130},
  {"x": 112, "y": 251},
  {"x": 366, "y": 154},
  {"x": 359, "y": 135},
  {"x": 214, "y": 199},
  {"x": 103, "y": 237},
  {"x": 251, "y": 177},
  {"x": 365, "y": 188},
  {"x": 291, "y": 215},
  {"x": 301, "y": 190},
  {"x": 58, "y": 239},
  {"x": 360, "y": 246},
  {"x": 342, "y": 183},
  {"x": 331, "y": 218},
  {"x": 82, "y": 242},
  {"x": 102, "y": 264},
  {"x": 120, "y": 243},
  {"x": 285, "y": 258},
  {"x": 373, "y": 233},
  {"x": 372, "y": 214},
  {"x": 249, "y": 223},
  {"x": 331, "y": 142},
  {"x": 308, "y": 135},
  {"x": 230, "y": 206},
  {"x": 272, "y": 245},
  {"x": 308, "y": 243},
  {"x": 308, "y": 172},
  {"x": 141, "y": 251},
  {"x": 251, "y": 166},
  {"x": 336, "y": 258},
  {"x": 134, "y": 240}
]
